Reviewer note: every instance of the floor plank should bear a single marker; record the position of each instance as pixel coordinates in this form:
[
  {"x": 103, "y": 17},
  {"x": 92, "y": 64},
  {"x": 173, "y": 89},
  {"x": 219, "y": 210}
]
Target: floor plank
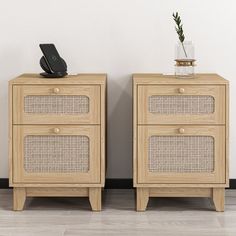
[{"x": 73, "y": 216}]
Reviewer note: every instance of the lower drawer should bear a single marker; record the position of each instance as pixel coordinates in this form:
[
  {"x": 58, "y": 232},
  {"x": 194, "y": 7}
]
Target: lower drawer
[
  {"x": 181, "y": 154},
  {"x": 56, "y": 154}
]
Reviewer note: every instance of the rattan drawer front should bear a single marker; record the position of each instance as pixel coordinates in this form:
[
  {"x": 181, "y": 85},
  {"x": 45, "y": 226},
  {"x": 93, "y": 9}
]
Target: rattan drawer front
[
  {"x": 59, "y": 104},
  {"x": 181, "y": 104},
  {"x": 56, "y": 154},
  {"x": 181, "y": 154},
  {"x": 56, "y": 104}
]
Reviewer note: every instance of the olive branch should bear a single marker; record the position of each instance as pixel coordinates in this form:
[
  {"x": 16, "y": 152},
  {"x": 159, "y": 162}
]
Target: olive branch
[{"x": 179, "y": 30}]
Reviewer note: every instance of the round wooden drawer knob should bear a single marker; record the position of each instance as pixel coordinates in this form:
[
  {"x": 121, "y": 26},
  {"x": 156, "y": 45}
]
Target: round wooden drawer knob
[
  {"x": 56, "y": 90},
  {"x": 181, "y": 90},
  {"x": 181, "y": 130},
  {"x": 56, "y": 130}
]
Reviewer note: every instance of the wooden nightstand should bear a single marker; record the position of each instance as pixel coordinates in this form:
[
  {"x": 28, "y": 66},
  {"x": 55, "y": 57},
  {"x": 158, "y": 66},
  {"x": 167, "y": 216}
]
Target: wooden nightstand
[
  {"x": 57, "y": 137},
  {"x": 180, "y": 134}
]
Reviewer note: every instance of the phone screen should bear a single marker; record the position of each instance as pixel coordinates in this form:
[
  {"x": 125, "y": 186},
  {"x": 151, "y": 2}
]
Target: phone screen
[{"x": 52, "y": 57}]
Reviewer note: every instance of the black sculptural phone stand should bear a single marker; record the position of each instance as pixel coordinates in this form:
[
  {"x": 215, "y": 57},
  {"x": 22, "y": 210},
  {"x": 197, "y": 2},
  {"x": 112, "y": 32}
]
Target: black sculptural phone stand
[{"x": 51, "y": 62}]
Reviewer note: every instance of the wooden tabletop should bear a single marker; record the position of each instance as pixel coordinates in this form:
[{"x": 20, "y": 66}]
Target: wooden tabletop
[
  {"x": 171, "y": 79},
  {"x": 70, "y": 79}
]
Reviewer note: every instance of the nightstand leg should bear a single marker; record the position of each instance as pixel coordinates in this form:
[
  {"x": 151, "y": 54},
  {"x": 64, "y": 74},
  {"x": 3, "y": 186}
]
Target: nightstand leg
[
  {"x": 95, "y": 198},
  {"x": 19, "y": 197},
  {"x": 142, "y": 197},
  {"x": 219, "y": 198}
]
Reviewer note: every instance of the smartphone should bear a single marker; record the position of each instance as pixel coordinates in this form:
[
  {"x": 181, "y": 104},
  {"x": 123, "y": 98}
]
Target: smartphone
[{"x": 52, "y": 58}]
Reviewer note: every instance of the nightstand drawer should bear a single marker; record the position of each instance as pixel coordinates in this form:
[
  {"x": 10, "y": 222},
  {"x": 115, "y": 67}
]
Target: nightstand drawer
[
  {"x": 181, "y": 104},
  {"x": 181, "y": 154},
  {"x": 56, "y": 104},
  {"x": 56, "y": 154}
]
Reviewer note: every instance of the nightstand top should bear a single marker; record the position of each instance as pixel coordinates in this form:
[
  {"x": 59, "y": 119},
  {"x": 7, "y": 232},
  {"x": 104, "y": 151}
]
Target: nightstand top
[
  {"x": 32, "y": 79},
  {"x": 171, "y": 79}
]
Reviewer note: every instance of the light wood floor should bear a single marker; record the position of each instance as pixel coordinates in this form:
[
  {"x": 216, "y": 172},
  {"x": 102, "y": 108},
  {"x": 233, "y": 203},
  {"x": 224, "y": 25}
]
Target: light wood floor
[{"x": 72, "y": 216}]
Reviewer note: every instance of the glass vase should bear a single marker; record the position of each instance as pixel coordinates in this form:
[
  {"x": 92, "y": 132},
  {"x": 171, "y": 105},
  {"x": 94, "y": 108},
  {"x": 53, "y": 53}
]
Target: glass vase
[{"x": 184, "y": 58}]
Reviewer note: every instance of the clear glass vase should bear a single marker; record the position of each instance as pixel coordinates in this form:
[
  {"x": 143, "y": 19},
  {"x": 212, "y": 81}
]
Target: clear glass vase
[{"x": 184, "y": 58}]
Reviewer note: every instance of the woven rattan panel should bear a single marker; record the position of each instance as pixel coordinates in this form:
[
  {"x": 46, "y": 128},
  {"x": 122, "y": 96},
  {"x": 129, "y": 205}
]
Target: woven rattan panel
[
  {"x": 56, "y": 154},
  {"x": 181, "y": 154},
  {"x": 57, "y": 104},
  {"x": 182, "y": 104}
]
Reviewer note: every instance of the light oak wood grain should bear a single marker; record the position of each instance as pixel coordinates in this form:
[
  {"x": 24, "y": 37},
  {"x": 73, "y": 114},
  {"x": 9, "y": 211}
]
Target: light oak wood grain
[
  {"x": 22, "y": 117},
  {"x": 227, "y": 124},
  {"x": 10, "y": 157},
  {"x": 181, "y": 185},
  {"x": 180, "y": 192},
  {"x": 146, "y": 124},
  {"x": 22, "y": 176},
  {"x": 57, "y": 192},
  {"x": 95, "y": 198},
  {"x": 135, "y": 136},
  {"x": 19, "y": 197},
  {"x": 219, "y": 198},
  {"x": 87, "y": 79},
  {"x": 91, "y": 124},
  {"x": 103, "y": 131},
  {"x": 145, "y": 176},
  {"x": 216, "y": 92},
  {"x": 199, "y": 79},
  {"x": 142, "y": 197}
]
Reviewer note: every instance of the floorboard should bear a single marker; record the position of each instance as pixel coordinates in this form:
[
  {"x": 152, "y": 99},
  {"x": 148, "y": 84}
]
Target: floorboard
[{"x": 73, "y": 216}]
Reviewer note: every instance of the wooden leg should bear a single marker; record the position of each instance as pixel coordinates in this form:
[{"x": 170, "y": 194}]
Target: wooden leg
[
  {"x": 142, "y": 197},
  {"x": 19, "y": 197},
  {"x": 219, "y": 198},
  {"x": 95, "y": 198}
]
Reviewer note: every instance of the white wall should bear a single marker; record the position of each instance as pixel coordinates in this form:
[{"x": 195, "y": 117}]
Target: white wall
[{"x": 118, "y": 37}]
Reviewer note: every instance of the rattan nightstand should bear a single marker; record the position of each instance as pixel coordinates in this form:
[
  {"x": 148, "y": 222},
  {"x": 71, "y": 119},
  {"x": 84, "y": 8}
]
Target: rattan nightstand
[
  {"x": 57, "y": 137},
  {"x": 180, "y": 132}
]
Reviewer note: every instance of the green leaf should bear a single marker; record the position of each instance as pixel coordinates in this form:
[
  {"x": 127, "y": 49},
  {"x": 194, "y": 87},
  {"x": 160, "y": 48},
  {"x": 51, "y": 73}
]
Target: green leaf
[{"x": 179, "y": 26}]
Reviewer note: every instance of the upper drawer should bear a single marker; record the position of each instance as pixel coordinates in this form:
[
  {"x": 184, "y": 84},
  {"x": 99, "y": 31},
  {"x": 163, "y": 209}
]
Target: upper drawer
[
  {"x": 181, "y": 104},
  {"x": 56, "y": 104}
]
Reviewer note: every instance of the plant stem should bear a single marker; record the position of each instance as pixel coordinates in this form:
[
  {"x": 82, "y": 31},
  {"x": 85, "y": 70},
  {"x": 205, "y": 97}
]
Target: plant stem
[
  {"x": 184, "y": 49},
  {"x": 179, "y": 30}
]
